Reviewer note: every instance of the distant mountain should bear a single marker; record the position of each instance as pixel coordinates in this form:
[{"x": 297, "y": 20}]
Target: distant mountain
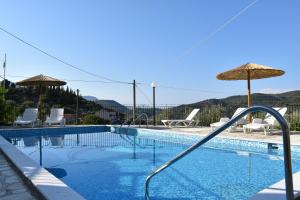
[
  {"x": 113, "y": 105},
  {"x": 287, "y": 98},
  {"x": 90, "y": 98}
]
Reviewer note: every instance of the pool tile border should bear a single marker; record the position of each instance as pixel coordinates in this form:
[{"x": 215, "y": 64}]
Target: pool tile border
[
  {"x": 40, "y": 131},
  {"x": 234, "y": 144}
]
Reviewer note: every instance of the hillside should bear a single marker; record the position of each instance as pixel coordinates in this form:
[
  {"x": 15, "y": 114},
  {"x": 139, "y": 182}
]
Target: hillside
[
  {"x": 114, "y": 105},
  {"x": 287, "y": 98},
  {"x": 212, "y": 109},
  {"x": 90, "y": 98},
  {"x": 55, "y": 97}
]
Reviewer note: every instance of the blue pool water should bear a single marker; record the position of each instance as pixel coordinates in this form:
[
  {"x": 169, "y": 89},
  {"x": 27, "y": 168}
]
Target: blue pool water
[{"x": 106, "y": 165}]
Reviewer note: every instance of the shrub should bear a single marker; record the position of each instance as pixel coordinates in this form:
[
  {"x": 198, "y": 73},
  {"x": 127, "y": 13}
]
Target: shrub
[
  {"x": 12, "y": 110},
  {"x": 93, "y": 119}
]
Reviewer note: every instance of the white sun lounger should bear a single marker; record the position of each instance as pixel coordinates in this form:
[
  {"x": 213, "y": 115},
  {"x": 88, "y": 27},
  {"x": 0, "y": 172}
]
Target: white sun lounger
[
  {"x": 56, "y": 117},
  {"x": 185, "y": 122},
  {"x": 267, "y": 125},
  {"x": 224, "y": 120},
  {"x": 29, "y": 117}
]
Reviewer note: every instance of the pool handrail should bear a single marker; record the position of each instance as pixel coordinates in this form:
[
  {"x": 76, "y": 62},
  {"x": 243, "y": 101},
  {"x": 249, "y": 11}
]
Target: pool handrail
[
  {"x": 286, "y": 148},
  {"x": 136, "y": 118}
]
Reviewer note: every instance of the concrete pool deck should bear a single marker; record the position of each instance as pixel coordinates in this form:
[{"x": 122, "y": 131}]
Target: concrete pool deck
[
  {"x": 276, "y": 137},
  {"x": 12, "y": 187}
]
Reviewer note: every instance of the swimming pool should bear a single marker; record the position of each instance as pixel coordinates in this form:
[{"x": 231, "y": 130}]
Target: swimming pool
[{"x": 104, "y": 163}]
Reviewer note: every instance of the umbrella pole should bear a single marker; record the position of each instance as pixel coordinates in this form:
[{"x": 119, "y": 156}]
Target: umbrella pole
[
  {"x": 249, "y": 94},
  {"x": 249, "y": 90},
  {"x": 39, "y": 102}
]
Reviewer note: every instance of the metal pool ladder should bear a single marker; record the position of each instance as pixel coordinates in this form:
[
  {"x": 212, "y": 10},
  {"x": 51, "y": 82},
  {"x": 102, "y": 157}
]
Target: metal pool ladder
[
  {"x": 138, "y": 117},
  {"x": 286, "y": 148}
]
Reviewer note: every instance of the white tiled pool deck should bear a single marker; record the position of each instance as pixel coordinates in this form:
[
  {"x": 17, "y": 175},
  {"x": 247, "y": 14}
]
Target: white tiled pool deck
[
  {"x": 276, "y": 137},
  {"x": 12, "y": 187}
]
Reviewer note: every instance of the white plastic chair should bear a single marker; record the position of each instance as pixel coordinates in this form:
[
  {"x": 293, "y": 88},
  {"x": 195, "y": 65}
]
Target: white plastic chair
[
  {"x": 29, "y": 117},
  {"x": 56, "y": 117},
  {"x": 185, "y": 122},
  {"x": 224, "y": 120},
  {"x": 267, "y": 125}
]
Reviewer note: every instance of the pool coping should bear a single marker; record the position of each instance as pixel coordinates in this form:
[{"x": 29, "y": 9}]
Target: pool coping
[
  {"x": 43, "y": 182},
  {"x": 277, "y": 190}
]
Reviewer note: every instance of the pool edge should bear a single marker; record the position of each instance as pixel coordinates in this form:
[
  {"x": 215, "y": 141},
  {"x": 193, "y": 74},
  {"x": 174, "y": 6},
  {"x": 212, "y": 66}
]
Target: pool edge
[{"x": 277, "y": 190}]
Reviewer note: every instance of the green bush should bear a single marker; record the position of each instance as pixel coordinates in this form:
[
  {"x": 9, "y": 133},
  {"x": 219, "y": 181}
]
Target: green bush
[
  {"x": 293, "y": 119},
  {"x": 12, "y": 111},
  {"x": 2, "y": 106},
  {"x": 9, "y": 110},
  {"x": 93, "y": 119}
]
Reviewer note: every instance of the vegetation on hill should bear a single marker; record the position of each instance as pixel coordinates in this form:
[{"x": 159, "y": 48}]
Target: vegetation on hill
[
  {"x": 287, "y": 98},
  {"x": 19, "y": 98},
  {"x": 93, "y": 119},
  {"x": 113, "y": 105},
  {"x": 283, "y": 99},
  {"x": 54, "y": 97},
  {"x": 212, "y": 110}
]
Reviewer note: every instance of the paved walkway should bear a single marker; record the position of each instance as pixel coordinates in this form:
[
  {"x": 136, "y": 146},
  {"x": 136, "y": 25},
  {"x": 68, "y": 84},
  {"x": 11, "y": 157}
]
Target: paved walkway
[
  {"x": 276, "y": 137},
  {"x": 12, "y": 187}
]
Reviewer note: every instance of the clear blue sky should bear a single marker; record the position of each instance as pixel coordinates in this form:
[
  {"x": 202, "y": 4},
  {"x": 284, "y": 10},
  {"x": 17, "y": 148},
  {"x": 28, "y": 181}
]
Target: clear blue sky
[{"x": 148, "y": 41}]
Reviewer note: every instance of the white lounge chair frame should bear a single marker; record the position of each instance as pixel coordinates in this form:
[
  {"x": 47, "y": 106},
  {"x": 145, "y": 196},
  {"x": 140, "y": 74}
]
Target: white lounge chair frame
[
  {"x": 224, "y": 120},
  {"x": 29, "y": 117},
  {"x": 56, "y": 117},
  {"x": 188, "y": 122},
  {"x": 267, "y": 125}
]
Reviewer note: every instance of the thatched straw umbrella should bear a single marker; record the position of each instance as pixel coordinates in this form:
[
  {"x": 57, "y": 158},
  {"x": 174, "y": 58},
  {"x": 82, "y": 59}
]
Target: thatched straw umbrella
[
  {"x": 41, "y": 81},
  {"x": 250, "y": 71}
]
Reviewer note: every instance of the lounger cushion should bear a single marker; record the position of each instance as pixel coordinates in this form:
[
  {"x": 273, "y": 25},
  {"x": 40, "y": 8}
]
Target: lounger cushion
[
  {"x": 256, "y": 124},
  {"x": 23, "y": 122},
  {"x": 224, "y": 119},
  {"x": 220, "y": 123}
]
